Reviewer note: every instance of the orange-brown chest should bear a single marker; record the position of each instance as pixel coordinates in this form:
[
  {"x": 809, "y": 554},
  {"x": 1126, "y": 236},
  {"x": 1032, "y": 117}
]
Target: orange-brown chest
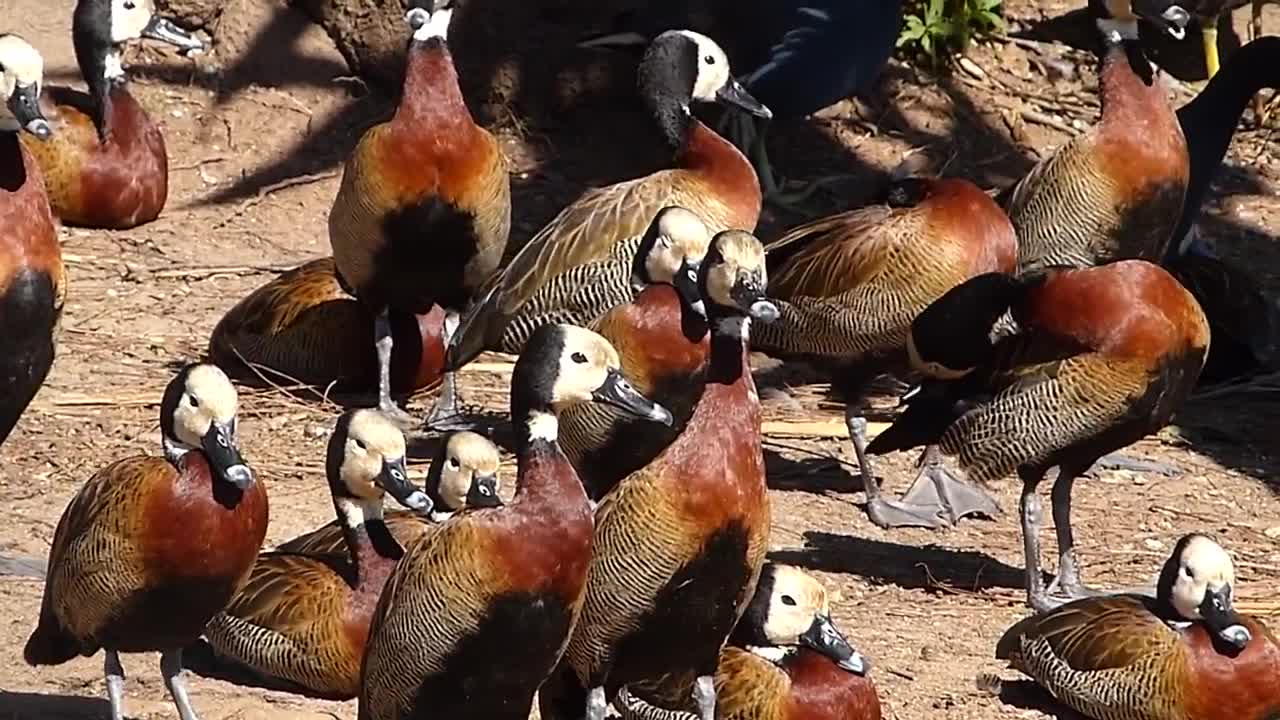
[
  {"x": 1139, "y": 142},
  {"x": 543, "y": 542},
  {"x": 715, "y": 469},
  {"x": 650, "y": 337},
  {"x": 199, "y": 530},
  {"x": 374, "y": 570},
  {"x": 1223, "y": 687},
  {"x": 28, "y": 235},
  {"x": 821, "y": 690}
]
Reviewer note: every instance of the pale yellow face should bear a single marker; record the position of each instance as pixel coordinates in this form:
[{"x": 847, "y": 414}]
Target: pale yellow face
[
  {"x": 741, "y": 260},
  {"x": 682, "y": 238},
  {"x": 585, "y": 362},
  {"x": 797, "y": 599},
  {"x": 372, "y": 442},
  {"x": 466, "y": 457},
  {"x": 20, "y": 66},
  {"x": 1204, "y": 566},
  {"x": 129, "y": 18},
  {"x": 208, "y": 397}
]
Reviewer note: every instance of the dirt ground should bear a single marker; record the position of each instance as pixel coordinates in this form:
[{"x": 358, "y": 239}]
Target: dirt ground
[{"x": 255, "y": 140}]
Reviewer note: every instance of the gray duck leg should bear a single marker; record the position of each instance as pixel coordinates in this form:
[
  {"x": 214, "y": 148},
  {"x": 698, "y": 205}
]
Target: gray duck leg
[
  {"x": 886, "y": 513},
  {"x": 446, "y": 414},
  {"x": 1067, "y": 583},
  {"x": 114, "y": 673},
  {"x": 176, "y": 683},
  {"x": 704, "y": 695},
  {"x": 384, "y": 342}
]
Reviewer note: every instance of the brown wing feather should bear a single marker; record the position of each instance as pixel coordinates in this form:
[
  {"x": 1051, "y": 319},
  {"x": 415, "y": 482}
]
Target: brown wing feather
[
  {"x": 286, "y": 592},
  {"x": 1094, "y": 634},
  {"x": 749, "y": 687},
  {"x": 842, "y": 251},
  {"x": 405, "y": 526}
]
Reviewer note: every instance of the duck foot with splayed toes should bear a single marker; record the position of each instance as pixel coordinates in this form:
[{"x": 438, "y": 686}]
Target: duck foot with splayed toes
[
  {"x": 936, "y": 486},
  {"x": 887, "y": 513}
]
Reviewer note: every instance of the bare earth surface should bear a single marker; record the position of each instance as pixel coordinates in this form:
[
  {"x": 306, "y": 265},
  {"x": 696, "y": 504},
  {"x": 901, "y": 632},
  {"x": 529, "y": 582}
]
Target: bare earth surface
[{"x": 255, "y": 140}]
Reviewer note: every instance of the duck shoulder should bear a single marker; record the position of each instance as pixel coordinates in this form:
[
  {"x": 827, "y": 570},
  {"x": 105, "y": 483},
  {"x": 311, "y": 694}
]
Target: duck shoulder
[
  {"x": 405, "y": 526},
  {"x": 1089, "y": 635}
]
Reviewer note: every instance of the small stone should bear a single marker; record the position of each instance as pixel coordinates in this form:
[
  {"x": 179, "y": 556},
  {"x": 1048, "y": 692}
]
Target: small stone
[
  {"x": 315, "y": 431},
  {"x": 1272, "y": 532},
  {"x": 1153, "y": 544}
]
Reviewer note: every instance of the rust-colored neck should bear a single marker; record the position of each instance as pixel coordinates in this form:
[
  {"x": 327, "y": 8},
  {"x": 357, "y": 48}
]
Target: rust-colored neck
[
  {"x": 431, "y": 95},
  {"x": 724, "y": 168},
  {"x": 1127, "y": 84},
  {"x": 374, "y": 552}
]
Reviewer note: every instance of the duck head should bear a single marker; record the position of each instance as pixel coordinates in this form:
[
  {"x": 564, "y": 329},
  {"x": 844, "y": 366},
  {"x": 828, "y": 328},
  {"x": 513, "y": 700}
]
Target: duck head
[
  {"x": 21, "y": 74},
  {"x": 1196, "y": 582},
  {"x": 100, "y": 28},
  {"x": 671, "y": 252},
  {"x": 366, "y": 459},
  {"x": 464, "y": 475},
  {"x": 198, "y": 412},
  {"x": 789, "y": 610},
  {"x": 1119, "y": 18},
  {"x": 733, "y": 279}
]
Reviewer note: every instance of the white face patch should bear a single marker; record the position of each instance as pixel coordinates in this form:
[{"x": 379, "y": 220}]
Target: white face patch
[
  {"x": 713, "y": 67},
  {"x": 356, "y": 512},
  {"x": 208, "y": 397},
  {"x": 585, "y": 362},
  {"x": 129, "y": 18},
  {"x": 427, "y": 25},
  {"x": 1204, "y": 566}
]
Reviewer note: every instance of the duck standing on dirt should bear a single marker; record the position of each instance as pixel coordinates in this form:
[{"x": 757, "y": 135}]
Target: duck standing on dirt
[
  {"x": 424, "y": 208},
  {"x": 151, "y": 548}
]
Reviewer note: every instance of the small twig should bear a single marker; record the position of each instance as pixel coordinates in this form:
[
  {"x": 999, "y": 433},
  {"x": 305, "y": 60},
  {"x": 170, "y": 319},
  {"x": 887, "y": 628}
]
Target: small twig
[
  {"x": 275, "y": 187},
  {"x": 1039, "y": 118},
  {"x": 206, "y": 271}
]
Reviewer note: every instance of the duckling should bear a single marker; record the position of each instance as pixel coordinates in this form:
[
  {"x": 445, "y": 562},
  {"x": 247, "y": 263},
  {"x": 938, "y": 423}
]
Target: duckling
[
  {"x": 785, "y": 660},
  {"x": 424, "y": 207},
  {"x": 304, "y": 619},
  {"x": 107, "y": 166},
  {"x": 1184, "y": 654},
  {"x": 477, "y": 612},
  {"x": 679, "y": 544},
  {"x": 661, "y": 337},
  {"x": 1115, "y": 191},
  {"x": 151, "y": 548},
  {"x": 32, "y": 284},
  {"x": 848, "y": 287},
  {"x": 463, "y": 475},
  {"x": 711, "y": 178},
  {"x": 1102, "y": 356},
  {"x": 303, "y": 327}
]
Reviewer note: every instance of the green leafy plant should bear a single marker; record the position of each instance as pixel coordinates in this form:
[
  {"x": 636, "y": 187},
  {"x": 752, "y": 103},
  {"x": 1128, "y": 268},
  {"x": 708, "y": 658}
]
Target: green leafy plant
[{"x": 937, "y": 29}]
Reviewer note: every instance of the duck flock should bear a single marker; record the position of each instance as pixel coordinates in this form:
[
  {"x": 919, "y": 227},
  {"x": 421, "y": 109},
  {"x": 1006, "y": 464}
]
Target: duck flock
[{"x": 1044, "y": 327}]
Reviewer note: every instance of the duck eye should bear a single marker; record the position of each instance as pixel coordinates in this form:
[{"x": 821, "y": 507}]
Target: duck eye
[
  {"x": 360, "y": 444},
  {"x": 710, "y": 60},
  {"x": 788, "y": 600},
  {"x": 578, "y": 358},
  {"x": 193, "y": 401},
  {"x": 453, "y": 462}
]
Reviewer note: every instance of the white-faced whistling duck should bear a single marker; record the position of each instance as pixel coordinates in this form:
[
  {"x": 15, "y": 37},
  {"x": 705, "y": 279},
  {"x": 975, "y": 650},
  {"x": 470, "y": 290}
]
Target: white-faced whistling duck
[
  {"x": 849, "y": 286},
  {"x": 1103, "y": 356},
  {"x": 1242, "y": 321},
  {"x": 785, "y": 660},
  {"x": 661, "y": 337},
  {"x": 424, "y": 207},
  {"x": 1184, "y": 654},
  {"x": 106, "y": 166},
  {"x": 679, "y": 544},
  {"x": 477, "y": 613},
  {"x": 177, "y": 537},
  {"x": 303, "y": 327},
  {"x": 1115, "y": 191},
  {"x": 304, "y": 619},
  {"x": 463, "y": 475},
  {"x": 711, "y": 178},
  {"x": 32, "y": 287}
]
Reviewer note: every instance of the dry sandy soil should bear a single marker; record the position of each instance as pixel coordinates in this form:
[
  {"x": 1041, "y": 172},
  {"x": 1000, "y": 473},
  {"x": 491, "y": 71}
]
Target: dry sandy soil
[{"x": 255, "y": 140}]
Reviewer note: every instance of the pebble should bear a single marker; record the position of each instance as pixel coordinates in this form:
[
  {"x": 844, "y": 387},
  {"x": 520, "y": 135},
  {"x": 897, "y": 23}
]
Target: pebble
[{"x": 1153, "y": 544}]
